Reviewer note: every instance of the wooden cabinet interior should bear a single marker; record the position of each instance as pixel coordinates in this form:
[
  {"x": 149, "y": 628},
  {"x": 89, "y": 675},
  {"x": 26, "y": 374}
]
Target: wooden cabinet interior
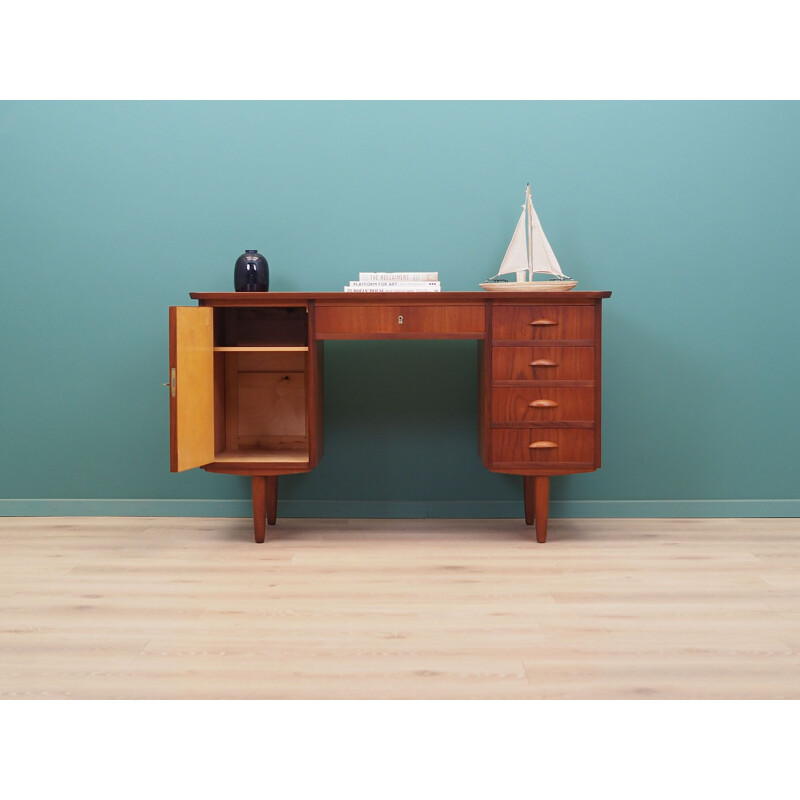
[
  {"x": 260, "y": 408},
  {"x": 261, "y": 327},
  {"x": 260, "y": 386}
]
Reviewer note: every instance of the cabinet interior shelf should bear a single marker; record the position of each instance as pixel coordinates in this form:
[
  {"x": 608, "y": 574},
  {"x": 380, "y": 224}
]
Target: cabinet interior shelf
[
  {"x": 261, "y": 349},
  {"x": 263, "y": 456}
]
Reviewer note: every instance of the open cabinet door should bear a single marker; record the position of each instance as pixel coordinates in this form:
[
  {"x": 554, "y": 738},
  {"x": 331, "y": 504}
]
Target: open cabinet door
[{"x": 191, "y": 391}]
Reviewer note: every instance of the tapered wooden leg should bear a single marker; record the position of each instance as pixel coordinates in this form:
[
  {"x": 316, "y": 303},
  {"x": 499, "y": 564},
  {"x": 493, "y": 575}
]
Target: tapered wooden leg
[
  {"x": 527, "y": 492},
  {"x": 272, "y": 498},
  {"x": 541, "y": 492},
  {"x": 259, "y": 507}
]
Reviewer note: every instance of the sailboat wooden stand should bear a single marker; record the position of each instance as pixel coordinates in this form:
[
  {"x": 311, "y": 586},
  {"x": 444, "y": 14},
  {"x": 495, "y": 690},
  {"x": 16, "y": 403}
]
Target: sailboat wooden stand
[{"x": 526, "y": 258}]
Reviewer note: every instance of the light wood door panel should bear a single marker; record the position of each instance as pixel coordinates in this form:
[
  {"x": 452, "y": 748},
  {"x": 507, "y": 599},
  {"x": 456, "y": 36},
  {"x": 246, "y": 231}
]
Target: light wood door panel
[{"x": 191, "y": 356}]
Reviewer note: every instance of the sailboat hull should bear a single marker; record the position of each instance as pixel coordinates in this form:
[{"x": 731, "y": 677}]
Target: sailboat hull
[{"x": 528, "y": 286}]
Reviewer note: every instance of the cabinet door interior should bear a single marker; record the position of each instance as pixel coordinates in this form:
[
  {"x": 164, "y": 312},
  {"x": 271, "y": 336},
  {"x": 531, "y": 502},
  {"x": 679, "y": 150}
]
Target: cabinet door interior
[{"x": 191, "y": 361}]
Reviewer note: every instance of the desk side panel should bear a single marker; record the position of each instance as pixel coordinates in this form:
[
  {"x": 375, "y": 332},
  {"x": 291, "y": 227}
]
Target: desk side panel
[
  {"x": 482, "y": 399},
  {"x": 598, "y": 355},
  {"x": 315, "y": 403}
]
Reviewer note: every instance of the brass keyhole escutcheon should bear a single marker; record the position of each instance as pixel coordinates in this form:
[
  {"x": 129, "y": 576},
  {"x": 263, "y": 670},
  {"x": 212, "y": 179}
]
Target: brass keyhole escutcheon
[{"x": 400, "y": 320}]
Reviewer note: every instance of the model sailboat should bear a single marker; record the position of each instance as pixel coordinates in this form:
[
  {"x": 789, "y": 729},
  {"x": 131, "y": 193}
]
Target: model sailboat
[{"x": 529, "y": 252}]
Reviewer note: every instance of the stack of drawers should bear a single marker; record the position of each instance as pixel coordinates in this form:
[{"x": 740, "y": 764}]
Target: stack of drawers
[{"x": 542, "y": 374}]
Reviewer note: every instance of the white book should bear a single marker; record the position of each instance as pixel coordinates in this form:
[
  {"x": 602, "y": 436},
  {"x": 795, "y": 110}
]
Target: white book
[
  {"x": 399, "y": 284},
  {"x": 398, "y": 276},
  {"x": 406, "y": 288}
]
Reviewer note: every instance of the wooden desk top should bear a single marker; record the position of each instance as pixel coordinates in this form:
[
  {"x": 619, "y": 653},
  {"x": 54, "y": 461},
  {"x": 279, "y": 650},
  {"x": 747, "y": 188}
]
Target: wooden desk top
[{"x": 379, "y": 298}]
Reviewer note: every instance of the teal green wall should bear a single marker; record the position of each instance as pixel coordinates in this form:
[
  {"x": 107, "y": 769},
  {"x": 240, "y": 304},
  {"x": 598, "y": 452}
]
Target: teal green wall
[{"x": 688, "y": 212}]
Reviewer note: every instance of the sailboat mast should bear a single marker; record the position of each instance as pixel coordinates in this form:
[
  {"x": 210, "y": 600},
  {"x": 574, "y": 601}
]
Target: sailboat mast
[
  {"x": 529, "y": 219},
  {"x": 529, "y": 230}
]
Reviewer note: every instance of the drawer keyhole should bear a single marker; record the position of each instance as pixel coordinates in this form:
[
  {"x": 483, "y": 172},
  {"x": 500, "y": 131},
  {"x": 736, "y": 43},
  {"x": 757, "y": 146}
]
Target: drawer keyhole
[{"x": 400, "y": 319}]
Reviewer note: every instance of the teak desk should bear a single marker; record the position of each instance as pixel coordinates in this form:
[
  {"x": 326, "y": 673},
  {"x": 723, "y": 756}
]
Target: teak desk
[{"x": 246, "y": 380}]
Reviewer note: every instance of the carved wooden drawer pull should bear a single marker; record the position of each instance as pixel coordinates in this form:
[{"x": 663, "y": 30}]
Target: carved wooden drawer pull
[
  {"x": 543, "y": 404},
  {"x": 542, "y": 445},
  {"x": 544, "y": 321},
  {"x": 543, "y": 362}
]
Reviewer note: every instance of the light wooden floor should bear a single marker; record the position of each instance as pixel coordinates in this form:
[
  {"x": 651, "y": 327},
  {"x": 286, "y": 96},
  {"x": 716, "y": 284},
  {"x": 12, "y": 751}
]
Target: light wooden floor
[{"x": 192, "y": 608}]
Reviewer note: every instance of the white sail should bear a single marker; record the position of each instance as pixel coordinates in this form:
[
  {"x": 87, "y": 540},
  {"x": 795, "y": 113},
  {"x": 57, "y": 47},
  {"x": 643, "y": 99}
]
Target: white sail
[
  {"x": 543, "y": 258},
  {"x": 516, "y": 257}
]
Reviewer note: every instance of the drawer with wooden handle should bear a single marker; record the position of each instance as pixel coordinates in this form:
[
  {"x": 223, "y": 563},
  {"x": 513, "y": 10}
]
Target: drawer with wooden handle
[
  {"x": 543, "y": 363},
  {"x": 378, "y": 321},
  {"x": 543, "y": 446},
  {"x": 543, "y": 404},
  {"x": 565, "y": 323}
]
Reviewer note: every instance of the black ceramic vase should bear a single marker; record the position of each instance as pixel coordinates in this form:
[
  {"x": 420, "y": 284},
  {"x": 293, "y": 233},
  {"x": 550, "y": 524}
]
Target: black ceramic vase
[{"x": 251, "y": 273}]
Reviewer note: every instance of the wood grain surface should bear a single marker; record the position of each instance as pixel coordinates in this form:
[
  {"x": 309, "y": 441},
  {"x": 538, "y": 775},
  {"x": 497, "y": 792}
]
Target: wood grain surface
[
  {"x": 189, "y": 608},
  {"x": 408, "y": 320},
  {"x": 526, "y": 364},
  {"x": 543, "y": 322},
  {"x": 191, "y": 407}
]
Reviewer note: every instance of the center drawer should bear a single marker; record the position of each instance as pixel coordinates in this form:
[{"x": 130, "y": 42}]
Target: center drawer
[
  {"x": 373, "y": 320},
  {"x": 543, "y": 322}
]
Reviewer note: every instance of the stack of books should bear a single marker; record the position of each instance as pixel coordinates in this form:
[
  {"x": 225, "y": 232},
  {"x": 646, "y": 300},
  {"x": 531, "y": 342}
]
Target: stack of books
[{"x": 395, "y": 282}]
